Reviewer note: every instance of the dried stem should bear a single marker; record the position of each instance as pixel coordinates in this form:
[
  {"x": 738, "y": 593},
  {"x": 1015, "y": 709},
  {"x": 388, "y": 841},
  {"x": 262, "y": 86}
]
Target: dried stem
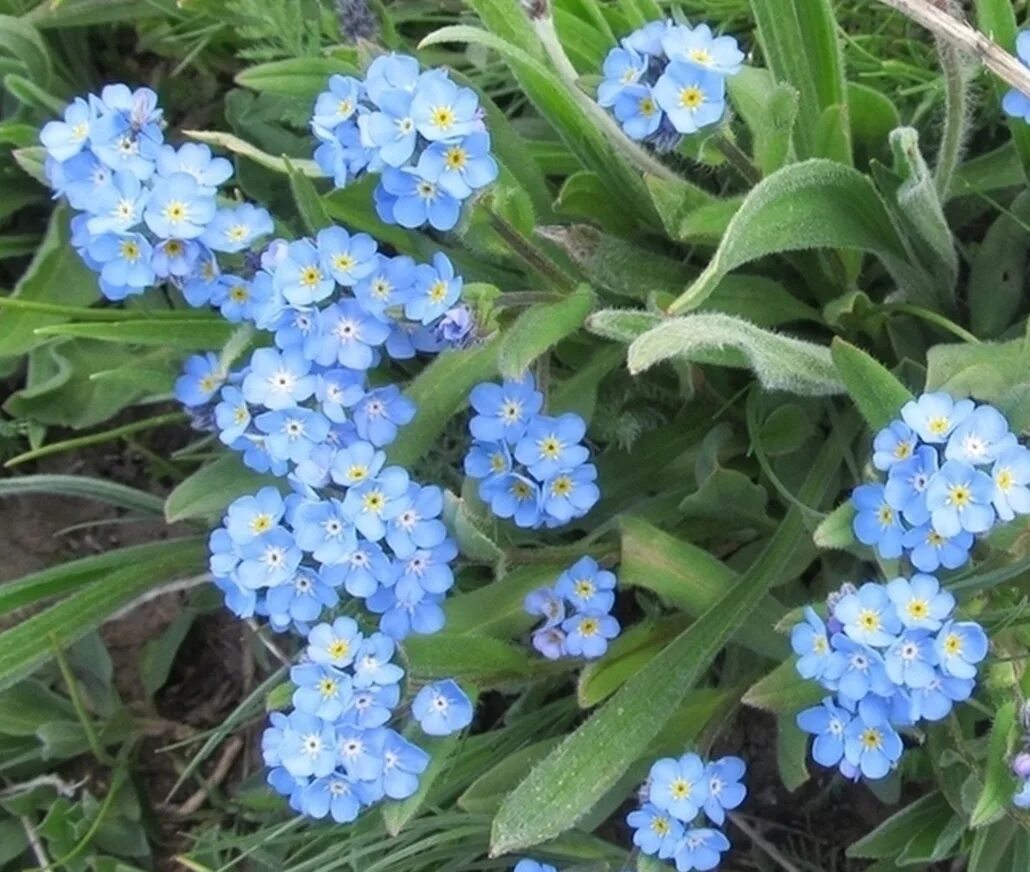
[{"x": 963, "y": 36}]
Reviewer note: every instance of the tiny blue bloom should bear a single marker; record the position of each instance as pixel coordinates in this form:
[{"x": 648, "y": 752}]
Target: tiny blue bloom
[
  {"x": 960, "y": 498},
  {"x": 656, "y": 832},
  {"x": 920, "y": 603},
  {"x": 876, "y": 521},
  {"x": 691, "y": 96},
  {"x": 961, "y": 645},
  {"x": 442, "y": 708},
  {"x": 829, "y": 724},
  {"x": 868, "y": 616},
  {"x": 679, "y": 786},
  {"x": 725, "y": 792},
  {"x": 933, "y": 417}
]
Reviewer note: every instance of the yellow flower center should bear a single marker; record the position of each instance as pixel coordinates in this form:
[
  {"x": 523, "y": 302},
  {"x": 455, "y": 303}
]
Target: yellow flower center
[
  {"x": 238, "y": 232},
  {"x": 438, "y": 291},
  {"x": 691, "y": 97},
  {"x": 357, "y": 472},
  {"x": 240, "y": 416},
  {"x": 374, "y": 501},
  {"x": 700, "y": 56},
  {"x": 886, "y": 515},
  {"x": 660, "y": 825},
  {"x": 819, "y": 645},
  {"x": 953, "y": 645},
  {"x": 680, "y": 788},
  {"x": 260, "y": 524},
  {"x": 646, "y": 107},
  {"x": 903, "y": 450},
  {"x": 521, "y": 491},
  {"x": 869, "y": 620},
  {"x": 938, "y": 425},
  {"x": 239, "y": 294},
  {"x": 174, "y": 248},
  {"x": 176, "y": 211},
  {"x": 561, "y": 486},
  {"x": 443, "y": 117},
  {"x": 934, "y": 538},
  {"x": 550, "y": 447},
  {"x": 208, "y": 383},
  {"x": 960, "y": 496},
  {"x": 343, "y": 262},
  {"x": 328, "y": 687},
  {"x": 497, "y": 462},
  {"x": 871, "y": 739},
  {"x": 584, "y": 588},
  {"x": 589, "y": 627},
  {"x": 918, "y": 608},
  {"x": 1003, "y": 478},
  {"x": 338, "y": 649},
  {"x": 455, "y": 157},
  {"x": 344, "y": 108},
  {"x": 130, "y": 251},
  {"x": 80, "y": 131},
  {"x": 310, "y": 276}
]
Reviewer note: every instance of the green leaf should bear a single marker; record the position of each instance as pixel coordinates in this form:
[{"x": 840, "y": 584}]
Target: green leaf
[
  {"x": 873, "y": 116},
  {"x": 539, "y": 328},
  {"x": 472, "y": 541},
  {"x": 304, "y": 78},
  {"x": 198, "y": 334},
  {"x": 791, "y": 752},
  {"x": 770, "y": 110},
  {"x": 990, "y": 847},
  {"x": 481, "y": 660},
  {"x": 309, "y": 203},
  {"x": 102, "y": 490},
  {"x": 497, "y": 609},
  {"x": 877, "y": 394},
  {"x": 998, "y": 269},
  {"x": 800, "y": 46},
  {"x": 487, "y": 792},
  {"x": 570, "y": 780},
  {"x": 999, "y": 786},
  {"x": 439, "y": 392},
  {"x": 780, "y": 362},
  {"x": 578, "y": 393},
  {"x": 20, "y": 40},
  {"x": 783, "y": 691},
  {"x": 835, "y": 530},
  {"x": 891, "y": 837},
  {"x": 56, "y": 274},
  {"x": 28, "y": 704},
  {"x": 815, "y": 204},
  {"x": 679, "y": 203},
  {"x": 207, "y": 492},
  {"x": 28, "y": 645},
  {"x": 233, "y": 143},
  {"x": 441, "y": 749}
]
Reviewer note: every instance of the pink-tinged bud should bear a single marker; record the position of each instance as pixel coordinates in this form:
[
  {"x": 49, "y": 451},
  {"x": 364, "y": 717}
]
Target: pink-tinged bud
[{"x": 1021, "y": 765}]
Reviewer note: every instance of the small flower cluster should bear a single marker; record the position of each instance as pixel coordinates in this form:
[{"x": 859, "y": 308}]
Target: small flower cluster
[
  {"x": 1016, "y": 103},
  {"x": 676, "y": 794},
  {"x": 334, "y": 754},
  {"x": 666, "y": 80},
  {"x": 286, "y": 559},
  {"x": 533, "y": 468},
  {"x": 147, "y": 210},
  {"x": 953, "y": 470},
  {"x": 422, "y": 133},
  {"x": 589, "y": 592},
  {"x": 336, "y": 307},
  {"x": 892, "y": 655}
]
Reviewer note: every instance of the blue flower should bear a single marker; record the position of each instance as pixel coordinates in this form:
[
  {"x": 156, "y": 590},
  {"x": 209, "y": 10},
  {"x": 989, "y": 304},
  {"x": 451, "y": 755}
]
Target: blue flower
[
  {"x": 357, "y": 463},
  {"x": 648, "y": 39},
  {"x": 691, "y": 96},
  {"x": 65, "y": 139},
  {"x": 812, "y": 645},
  {"x": 360, "y": 752},
  {"x": 934, "y": 416},
  {"x": 622, "y": 68},
  {"x": 334, "y": 644},
  {"x": 828, "y": 723},
  {"x": 373, "y": 663},
  {"x": 391, "y": 72},
  {"x": 636, "y": 109},
  {"x": 415, "y": 200},
  {"x": 586, "y": 586},
  {"x": 232, "y": 415},
  {"x": 429, "y": 568},
  {"x": 278, "y": 380},
  {"x": 516, "y": 497},
  {"x": 1021, "y": 799},
  {"x": 339, "y": 103},
  {"x": 388, "y": 285},
  {"x": 118, "y": 206},
  {"x": 503, "y": 412},
  {"x": 1011, "y": 474},
  {"x": 250, "y": 517},
  {"x": 194, "y": 159},
  {"x": 443, "y": 111},
  {"x": 176, "y": 257},
  {"x": 869, "y": 616},
  {"x": 980, "y": 438},
  {"x": 349, "y": 336},
  {"x": 459, "y": 168},
  {"x": 936, "y": 700},
  {"x": 308, "y": 745},
  {"x": 407, "y": 608},
  {"x": 545, "y": 603},
  {"x": 299, "y": 601},
  {"x": 570, "y": 494},
  {"x": 588, "y": 634},
  {"x": 457, "y": 327},
  {"x": 202, "y": 377},
  {"x": 725, "y": 792},
  {"x": 876, "y": 521},
  {"x": 373, "y": 706},
  {"x": 698, "y": 46},
  {"x": 930, "y": 550},
  {"x": 290, "y": 434},
  {"x": 700, "y": 848},
  {"x": 856, "y": 670},
  {"x": 871, "y": 744},
  {"x": 391, "y": 130},
  {"x": 347, "y": 258},
  {"x": 550, "y": 642},
  {"x": 322, "y": 529},
  {"x": 268, "y": 560},
  {"x": 370, "y": 504},
  {"x": 679, "y": 786},
  {"x": 656, "y": 832},
  {"x": 911, "y": 660},
  {"x": 179, "y": 207},
  {"x": 339, "y": 389},
  {"x": 237, "y": 229},
  {"x": 379, "y": 414},
  {"x": 321, "y": 690},
  {"x": 961, "y": 645},
  {"x": 335, "y": 796},
  {"x": 906, "y": 485},
  {"x": 418, "y": 526},
  {"x": 126, "y": 260},
  {"x": 442, "y": 708},
  {"x": 1015, "y": 103},
  {"x": 342, "y": 152},
  {"x": 920, "y": 603},
  {"x": 533, "y": 866},
  {"x": 551, "y": 445},
  {"x": 301, "y": 277},
  {"x": 403, "y": 762},
  {"x": 959, "y": 498}
]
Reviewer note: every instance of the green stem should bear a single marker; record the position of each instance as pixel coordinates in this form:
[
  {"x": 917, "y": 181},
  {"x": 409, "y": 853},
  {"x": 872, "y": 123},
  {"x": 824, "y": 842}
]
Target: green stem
[
  {"x": 169, "y": 469},
  {"x": 92, "y": 738},
  {"x": 956, "y": 89},
  {"x": 530, "y": 254},
  {"x": 933, "y": 318},
  {"x": 81, "y": 313},
  {"x": 98, "y": 438},
  {"x": 737, "y": 158}
]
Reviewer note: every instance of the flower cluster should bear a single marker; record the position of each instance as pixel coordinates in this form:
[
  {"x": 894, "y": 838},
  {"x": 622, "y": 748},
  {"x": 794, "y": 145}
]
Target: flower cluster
[
  {"x": 589, "y": 592},
  {"x": 953, "y": 470},
  {"x": 532, "y": 468},
  {"x": 666, "y": 80},
  {"x": 336, "y": 308},
  {"x": 147, "y": 211},
  {"x": 383, "y": 542},
  {"x": 677, "y": 793},
  {"x": 1016, "y": 103},
  {"x": 892, "y": 655},
  {"x": 334, "y": 754},
  {"x": 422, "y": 133}
]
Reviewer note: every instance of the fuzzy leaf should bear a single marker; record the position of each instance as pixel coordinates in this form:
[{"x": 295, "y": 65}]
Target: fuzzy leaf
[
  {"x": 541, "y": 327},
  {"x": 878, "y": 395},
  {"x": 834, "y": 531},
  {"x": 207, "y": 492},
  {"x": 999, "y": 785},
  {"x": 783, "y": 691}
]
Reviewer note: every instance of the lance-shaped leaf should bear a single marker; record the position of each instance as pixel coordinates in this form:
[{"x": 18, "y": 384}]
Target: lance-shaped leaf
[
  {"x": 878, "y": 395},
  {"x": 541, "y": 327},
  {"x": 780, "y": 362}
]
